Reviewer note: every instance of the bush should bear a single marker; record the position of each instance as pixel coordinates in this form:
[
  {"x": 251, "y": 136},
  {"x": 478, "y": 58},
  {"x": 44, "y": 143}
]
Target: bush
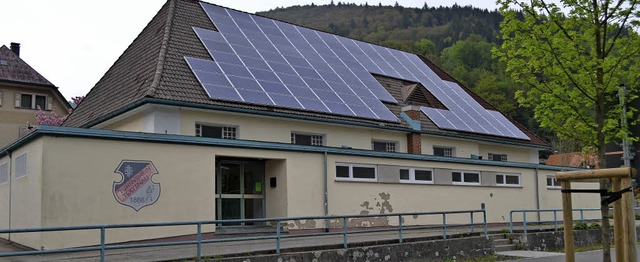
[
  {"x": 594, "y": 226},
  {"x": 579, "y": 226}
]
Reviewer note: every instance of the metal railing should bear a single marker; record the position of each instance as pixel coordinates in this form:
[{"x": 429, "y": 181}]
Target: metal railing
[
  {"x": 555, "y": 217},
  {"x": 345, "y": 231}
]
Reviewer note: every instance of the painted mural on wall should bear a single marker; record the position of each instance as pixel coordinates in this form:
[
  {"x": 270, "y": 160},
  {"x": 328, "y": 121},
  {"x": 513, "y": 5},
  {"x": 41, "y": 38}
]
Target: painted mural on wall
[{"x": 136, "y": 189}]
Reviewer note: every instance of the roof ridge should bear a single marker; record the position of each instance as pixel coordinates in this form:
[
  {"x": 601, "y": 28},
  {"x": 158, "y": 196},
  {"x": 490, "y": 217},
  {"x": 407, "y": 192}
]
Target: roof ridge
[{"x": 163, "y": 49}]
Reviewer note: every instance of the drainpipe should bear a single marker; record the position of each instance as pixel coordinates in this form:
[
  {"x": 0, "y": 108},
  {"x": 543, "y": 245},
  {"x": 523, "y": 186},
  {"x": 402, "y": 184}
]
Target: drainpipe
[
  {"x": 326, "y": 193},
  {"x": 537, "y": 191},
  {"x": 10, "y": 191}
]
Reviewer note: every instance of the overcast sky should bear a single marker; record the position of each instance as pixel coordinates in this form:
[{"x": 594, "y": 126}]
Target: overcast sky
[{"x": 73, "y": 43}]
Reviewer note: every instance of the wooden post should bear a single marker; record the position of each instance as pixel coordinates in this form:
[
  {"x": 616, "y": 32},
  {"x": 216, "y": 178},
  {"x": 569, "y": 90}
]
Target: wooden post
[
  {"x": 567, "y": 216},
  {"x": 628, "y": 218},
  {"x": 618, "y": 228}
]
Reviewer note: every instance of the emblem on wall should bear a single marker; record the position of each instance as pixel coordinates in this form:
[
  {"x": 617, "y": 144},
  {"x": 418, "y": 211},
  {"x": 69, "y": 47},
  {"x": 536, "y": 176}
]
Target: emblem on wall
[{"x": 136, "y": 189}]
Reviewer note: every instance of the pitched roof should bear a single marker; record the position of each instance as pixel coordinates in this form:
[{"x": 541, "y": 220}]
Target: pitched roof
[
  {"x": 14, "y": 69},
  {"x": 154, "y": 66}
]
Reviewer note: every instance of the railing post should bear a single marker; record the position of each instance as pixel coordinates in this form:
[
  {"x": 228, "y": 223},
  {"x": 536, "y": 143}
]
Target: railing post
[
  {"x": 344, "y": 231},
  {"x": 582, "y": 215},
  {"x": 524, "y": 221},
  {"x": 102, "y": 247},
  {"x": 199, "y": 243},
  {"x": 484, "y": 220},
  {"x": 278, "y": 237},
  {"x": 472, "y": 225},
  {"x": 400, "y": 227},
  {"x": 444, "y": 225},
  {"x": 511, "y": 221},
  {"x": 555, "y": 221}
]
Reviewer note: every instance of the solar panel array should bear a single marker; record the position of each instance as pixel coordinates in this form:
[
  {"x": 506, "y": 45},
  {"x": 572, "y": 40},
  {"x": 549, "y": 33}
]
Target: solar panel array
[{"x": 263, "y": 61}]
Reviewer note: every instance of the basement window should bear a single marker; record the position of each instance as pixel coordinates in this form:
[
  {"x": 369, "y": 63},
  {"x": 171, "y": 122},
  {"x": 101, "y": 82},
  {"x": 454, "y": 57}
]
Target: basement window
[
  {"x": 416, "y": 175},
  {"x": 356, "y": 172},
  {"x": 507, "y": 180},
  {"x": 552, "y": 183},
  {"x": 215, "y": 131},
  {"x": 465, "y": 178}
]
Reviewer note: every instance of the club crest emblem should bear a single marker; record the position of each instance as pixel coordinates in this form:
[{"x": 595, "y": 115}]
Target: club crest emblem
[{"x": 136, "y": 189}]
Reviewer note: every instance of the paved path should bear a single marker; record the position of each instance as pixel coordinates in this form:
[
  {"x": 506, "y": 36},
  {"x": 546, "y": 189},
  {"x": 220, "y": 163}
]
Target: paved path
[{"x": 588, "y": 256}]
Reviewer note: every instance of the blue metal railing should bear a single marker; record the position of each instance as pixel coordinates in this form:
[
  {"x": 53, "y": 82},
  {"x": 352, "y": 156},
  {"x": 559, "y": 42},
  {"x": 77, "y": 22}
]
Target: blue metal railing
[
  {"x": 555, "y": 217},
  {"x": 103, "y": 247}
]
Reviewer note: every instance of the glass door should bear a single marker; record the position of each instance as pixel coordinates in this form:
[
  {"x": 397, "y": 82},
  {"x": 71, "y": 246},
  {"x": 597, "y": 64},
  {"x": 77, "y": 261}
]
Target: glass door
[{"x": 240, "y": 190}]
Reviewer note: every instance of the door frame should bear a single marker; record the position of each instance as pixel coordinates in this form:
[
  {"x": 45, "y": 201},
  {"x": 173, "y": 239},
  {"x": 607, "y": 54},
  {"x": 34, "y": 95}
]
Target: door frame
[{"x": 242, "y": 196}]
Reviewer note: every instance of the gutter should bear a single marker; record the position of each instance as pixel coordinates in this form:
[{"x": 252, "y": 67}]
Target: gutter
[
  {"x": 326, "y": 192},
  {"x": 202, "y": 141},
  {"x": 149, "y": 100},
  {"x": 10, "y": 174}
]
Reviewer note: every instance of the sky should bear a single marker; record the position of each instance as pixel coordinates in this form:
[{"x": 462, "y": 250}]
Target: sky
[{"x": 73, "y": 43}]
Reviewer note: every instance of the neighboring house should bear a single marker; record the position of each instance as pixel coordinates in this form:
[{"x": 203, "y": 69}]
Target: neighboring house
[
  {"x": 22, "y": 90},
  {"x": 213, "y": 113}
]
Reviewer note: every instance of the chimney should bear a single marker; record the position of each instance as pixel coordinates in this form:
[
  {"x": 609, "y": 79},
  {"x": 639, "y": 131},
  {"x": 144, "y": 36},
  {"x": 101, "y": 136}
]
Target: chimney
[
  {"x": 15, "y": 47},
  {"x": 414, "y": 139}
]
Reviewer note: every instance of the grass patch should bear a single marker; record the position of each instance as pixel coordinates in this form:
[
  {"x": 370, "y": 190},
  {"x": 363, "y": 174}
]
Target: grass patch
[
  {"x": 582, "y": 249},
  {"x": 489, "y": 258}
]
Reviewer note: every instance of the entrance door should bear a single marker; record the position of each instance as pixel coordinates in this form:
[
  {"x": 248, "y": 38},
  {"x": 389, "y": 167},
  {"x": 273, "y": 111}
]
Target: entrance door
[{"x": 240, "y": 190}]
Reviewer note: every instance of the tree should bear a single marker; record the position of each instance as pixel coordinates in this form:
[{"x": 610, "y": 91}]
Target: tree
[
  {"x": 52, "y": 118},
  {"x": 572, "y": 58}
]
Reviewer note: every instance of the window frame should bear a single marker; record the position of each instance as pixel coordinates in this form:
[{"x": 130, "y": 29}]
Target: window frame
[
  {"x": 412, "y": 176},
  {"x": 33, "y": 101},
  {"x": 462, "y": 176},
  {"x": 351, "y": 178},
  {"x": 198, "y": 130},
  {"x": 387, "y": 143},
  {"x": 504, "y": 180},
  {"x": 453, "y": 151},
  {"x": 554, "y": 182},
  {"x": 503, "y": 157},
  {"x": 322, "y": 136}
]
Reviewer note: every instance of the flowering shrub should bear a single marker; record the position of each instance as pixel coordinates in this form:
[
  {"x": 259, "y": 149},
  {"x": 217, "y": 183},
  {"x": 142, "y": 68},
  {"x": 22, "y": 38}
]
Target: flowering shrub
[{"x": 52, "y": 118}]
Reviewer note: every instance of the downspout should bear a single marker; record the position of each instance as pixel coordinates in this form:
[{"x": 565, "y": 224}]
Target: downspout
[
  {"x": 537, "y": 191},
  {"x": 326, "y": 193},
  {"x": 10, "y": 191}
]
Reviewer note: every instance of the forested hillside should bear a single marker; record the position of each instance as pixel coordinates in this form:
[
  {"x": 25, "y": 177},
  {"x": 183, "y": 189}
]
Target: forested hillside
[{"x": 458, "y": 39}]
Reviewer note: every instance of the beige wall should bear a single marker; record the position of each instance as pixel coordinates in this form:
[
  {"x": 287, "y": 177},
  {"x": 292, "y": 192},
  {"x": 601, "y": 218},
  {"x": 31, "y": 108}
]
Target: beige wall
[
  {"x": 75, "y": 188},
  {"x": 463, "y": 148},
  {"x": 12, "y": 119},
  {"x": 514, "y": 154}
]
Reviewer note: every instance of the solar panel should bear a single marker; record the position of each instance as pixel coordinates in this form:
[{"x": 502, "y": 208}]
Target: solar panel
[{"x": 274, "y": 63}]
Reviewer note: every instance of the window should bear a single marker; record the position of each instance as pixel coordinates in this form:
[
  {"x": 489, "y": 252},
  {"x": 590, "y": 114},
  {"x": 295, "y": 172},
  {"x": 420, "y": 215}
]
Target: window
[
  {"x": 226, "y": 132},
  {"x": 552, "y": 182},
  {"x": 4, "y": 173},
  {"x": 21, "y": 165},
  {"x": 507, "y": 180},
  {"x": 356, "y": 172},
  {"x": 497, "y": 157},
  {"x": 470, "y": 178},
  {"x": 414, "y": 175},
  {"x": 384, "y": 146},
  {"x": 307, "y": 139},
  {"x": 33, "y": 101},
  {"x": 443, "y": 151}
]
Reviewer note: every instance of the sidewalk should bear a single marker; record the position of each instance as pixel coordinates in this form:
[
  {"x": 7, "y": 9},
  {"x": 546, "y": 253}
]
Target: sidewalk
[{"x": 588, "y": 256}]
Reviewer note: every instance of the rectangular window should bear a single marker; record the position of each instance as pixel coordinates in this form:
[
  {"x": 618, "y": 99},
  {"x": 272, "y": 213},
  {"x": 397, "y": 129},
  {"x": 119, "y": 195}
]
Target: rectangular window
[
  {"x": 443, "y": 151},
  {"x": 4, "y": 173},
  {"x": 552, "y": 182},
  {"x": 468, "y": 178},
  {"x": 507, "y": 180},
  {"x": 384, "y": 146},
  {"x": 21, "y": 165},
  {"x": 356, "y": 172},
  {"x": 497, "y": 157},
  {"x": 33, "y": 101},
  {"x": 307, "y": 139},
  {"x": 226, "y": 132},
  {"x": 416, "y": 175}
]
